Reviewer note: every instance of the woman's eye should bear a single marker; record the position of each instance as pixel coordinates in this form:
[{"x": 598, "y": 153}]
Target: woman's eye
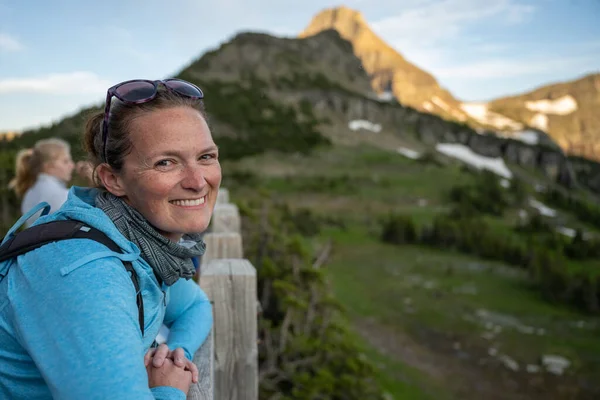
[
  {"x": 164, "y": 163},
  {"x": 209, "y": 156}
]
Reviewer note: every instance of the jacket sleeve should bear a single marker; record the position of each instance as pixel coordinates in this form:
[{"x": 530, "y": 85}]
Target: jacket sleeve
[
  {"x": 188, "y": 317},
  {"x": 81, "y": 329}
]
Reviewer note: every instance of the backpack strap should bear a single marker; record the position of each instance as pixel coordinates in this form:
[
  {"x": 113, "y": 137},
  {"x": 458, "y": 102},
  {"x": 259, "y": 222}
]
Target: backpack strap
[{"x": 54, "y": 231}]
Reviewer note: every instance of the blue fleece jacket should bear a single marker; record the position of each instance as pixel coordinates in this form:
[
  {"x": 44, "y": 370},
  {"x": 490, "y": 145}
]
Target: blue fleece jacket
[{"x": 69, "y": 324}]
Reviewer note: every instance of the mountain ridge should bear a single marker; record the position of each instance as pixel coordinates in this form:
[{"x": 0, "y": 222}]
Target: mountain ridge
[
  {"x": 265, "y": 93},
  {"x": 576, "y": 129},
  {"x": 388, "y": 70}
]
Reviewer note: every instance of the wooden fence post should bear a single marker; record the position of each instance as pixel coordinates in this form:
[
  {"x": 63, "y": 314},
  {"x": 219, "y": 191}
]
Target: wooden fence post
[
  {"x": 204, "y": 360},
  {"x": 226, "y": 218},
  {"x": 231, "y": 285},
  {"x": 223, "y": 196},
  {"x": 222, "y": 245},
  {"x": 229, "y": 281}
]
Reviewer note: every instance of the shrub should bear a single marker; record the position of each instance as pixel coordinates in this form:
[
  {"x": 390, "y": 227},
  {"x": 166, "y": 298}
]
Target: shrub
[
  {"x": 306, "y": 351},
  {"x": 398, "y": 229}
]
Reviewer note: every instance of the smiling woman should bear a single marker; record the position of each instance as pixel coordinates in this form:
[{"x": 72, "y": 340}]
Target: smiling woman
[
  {"x": 75, "y": 321},
  {"x": 172, "y": 173}
]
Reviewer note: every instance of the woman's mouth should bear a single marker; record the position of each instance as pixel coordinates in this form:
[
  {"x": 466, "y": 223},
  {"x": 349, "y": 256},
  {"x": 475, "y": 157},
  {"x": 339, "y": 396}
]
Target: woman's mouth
[{"x": 189, "y": 202}]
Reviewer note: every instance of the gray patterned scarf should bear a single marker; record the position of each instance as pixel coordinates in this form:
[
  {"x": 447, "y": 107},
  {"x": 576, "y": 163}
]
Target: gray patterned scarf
[{"x": 169, "y": 260}]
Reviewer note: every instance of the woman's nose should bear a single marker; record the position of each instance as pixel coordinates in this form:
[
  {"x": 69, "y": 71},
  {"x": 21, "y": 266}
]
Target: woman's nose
[{"x": 194, "y": 178}]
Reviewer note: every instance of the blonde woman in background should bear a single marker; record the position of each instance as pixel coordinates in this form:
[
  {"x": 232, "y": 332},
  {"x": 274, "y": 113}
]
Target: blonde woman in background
[{"x": 42, "y": 174}]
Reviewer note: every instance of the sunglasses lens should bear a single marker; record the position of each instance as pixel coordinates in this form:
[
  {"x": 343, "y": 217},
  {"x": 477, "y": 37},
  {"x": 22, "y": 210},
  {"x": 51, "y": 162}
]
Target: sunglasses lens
[
  {"x": 136, "y": 91},
  {"x": 184, "y": 88}
]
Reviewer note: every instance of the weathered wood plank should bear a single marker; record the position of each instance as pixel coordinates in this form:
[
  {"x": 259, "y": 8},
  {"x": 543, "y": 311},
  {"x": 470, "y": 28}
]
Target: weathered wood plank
[
  {"x": 204, "y": 360},
  {"x": 221, "y": 245},
  {"x": 223, "y": 196},
  {"x": 225, "y": 218},
  {"x": 231, "y": 285}
]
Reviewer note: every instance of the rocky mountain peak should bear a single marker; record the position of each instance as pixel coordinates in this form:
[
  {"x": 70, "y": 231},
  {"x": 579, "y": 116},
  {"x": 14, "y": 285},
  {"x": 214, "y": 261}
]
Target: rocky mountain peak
[
  {"x": 566, "y": 111},
  {"x": 390, "y": 73}
]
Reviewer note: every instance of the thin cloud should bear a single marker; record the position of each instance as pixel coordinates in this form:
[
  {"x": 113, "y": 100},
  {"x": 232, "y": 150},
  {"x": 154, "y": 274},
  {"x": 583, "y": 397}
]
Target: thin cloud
[
  {"x": 427, "y": 32},
  {"x": 590, "y": 45},
  {"x": 125, "y": 42},
  {"x": 519, "y": 13},
  {"x": 500, "y": 68},
  {"x": 440, "y": 21},
  {"x": 9, "y": 43},
  {"x": 441, "y": 37},
  {"x": 80, "y": 82}
]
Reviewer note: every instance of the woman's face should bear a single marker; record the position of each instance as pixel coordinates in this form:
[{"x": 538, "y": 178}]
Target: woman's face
[
  {"x": 172, "y": 175},
  {"x": 61, "y": 167}
]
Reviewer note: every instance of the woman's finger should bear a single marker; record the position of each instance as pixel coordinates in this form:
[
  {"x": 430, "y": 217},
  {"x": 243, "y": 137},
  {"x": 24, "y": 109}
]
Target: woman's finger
[
  {"x": 148, "y": 356},
  {"x": 161, "y": 353},
  {"x": 193, "y": 369},
  {"x": 178, "y": 357}
]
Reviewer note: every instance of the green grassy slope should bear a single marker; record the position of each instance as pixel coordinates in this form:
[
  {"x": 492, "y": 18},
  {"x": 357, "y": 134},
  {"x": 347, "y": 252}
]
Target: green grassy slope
[{"x": 433, "y": 321}]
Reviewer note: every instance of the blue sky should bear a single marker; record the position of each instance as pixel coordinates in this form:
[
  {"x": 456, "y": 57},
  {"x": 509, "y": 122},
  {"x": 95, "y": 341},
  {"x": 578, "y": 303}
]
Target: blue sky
[{"x": 58, "y": 56}]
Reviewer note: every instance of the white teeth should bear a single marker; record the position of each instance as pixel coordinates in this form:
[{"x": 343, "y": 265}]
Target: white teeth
[{"x": 189, "y": 203}]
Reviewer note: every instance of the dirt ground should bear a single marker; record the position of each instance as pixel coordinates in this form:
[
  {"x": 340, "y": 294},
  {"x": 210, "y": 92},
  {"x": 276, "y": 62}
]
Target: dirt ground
[{"x": 465, "y": 369}]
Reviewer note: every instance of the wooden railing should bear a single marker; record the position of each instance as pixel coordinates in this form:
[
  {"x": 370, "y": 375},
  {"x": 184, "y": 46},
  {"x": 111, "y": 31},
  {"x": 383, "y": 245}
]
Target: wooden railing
[{"x": 228, "y": 360}]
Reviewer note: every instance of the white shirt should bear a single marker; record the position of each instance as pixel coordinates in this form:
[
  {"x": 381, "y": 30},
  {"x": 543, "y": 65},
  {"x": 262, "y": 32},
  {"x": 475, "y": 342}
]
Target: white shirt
[{"x": 47, "y": 188}]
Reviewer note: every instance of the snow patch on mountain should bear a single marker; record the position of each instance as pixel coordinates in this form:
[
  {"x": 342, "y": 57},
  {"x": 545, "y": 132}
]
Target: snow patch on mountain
[
  {"x": 539, "y": 121},
  {"x": 561, "y": 106},
  {"x": 480, "y": 112},
  {"x": 468, "y": 156},
  {"x": 406, "y": 152},
  {"x": 450, "y": 110},
  {"x": 358, "y": 124}
]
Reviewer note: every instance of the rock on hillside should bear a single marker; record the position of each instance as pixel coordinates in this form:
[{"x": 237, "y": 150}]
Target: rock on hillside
[
  {"x": 389, "y": 72},
  {"x": 326, "y": 57},
  {"x": 282, "y": 72}
]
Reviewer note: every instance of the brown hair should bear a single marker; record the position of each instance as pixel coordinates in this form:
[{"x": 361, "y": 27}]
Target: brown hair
[
  {"x": 118, "y": 143},
  {"x": 30, "y": 162}
]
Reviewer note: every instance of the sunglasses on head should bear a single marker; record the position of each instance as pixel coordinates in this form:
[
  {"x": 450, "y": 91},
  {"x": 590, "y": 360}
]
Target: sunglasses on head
[{"x": 139, "y": 91}]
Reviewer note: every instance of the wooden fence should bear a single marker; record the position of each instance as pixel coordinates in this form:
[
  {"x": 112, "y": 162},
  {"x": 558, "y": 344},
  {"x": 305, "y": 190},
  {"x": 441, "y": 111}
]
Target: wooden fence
[{"x": 228, "y": 360}]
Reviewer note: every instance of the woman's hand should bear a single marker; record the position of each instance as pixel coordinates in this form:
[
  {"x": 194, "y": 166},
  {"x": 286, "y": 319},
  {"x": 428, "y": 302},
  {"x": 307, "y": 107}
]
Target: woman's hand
[
  {"x": 157, "y": 357},
  {"x": 168, "y": 374}
]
